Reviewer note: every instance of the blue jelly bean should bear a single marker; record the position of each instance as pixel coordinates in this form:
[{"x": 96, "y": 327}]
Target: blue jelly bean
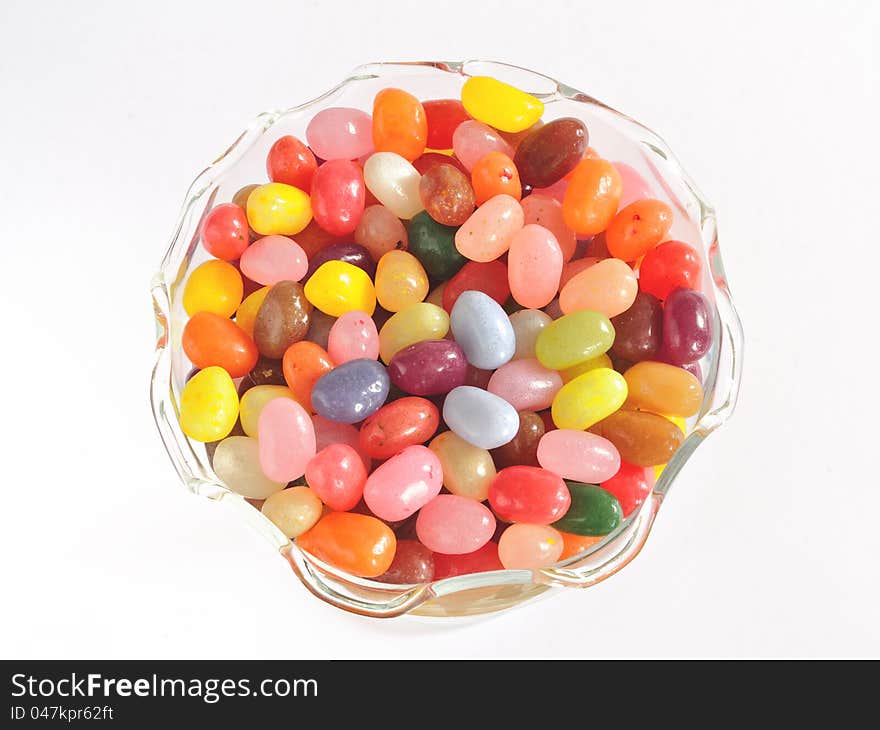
[
  {"x": 483, "y": 330},
  {"x": 352, "y": 391},
  {"x": 481, "y": 418}
]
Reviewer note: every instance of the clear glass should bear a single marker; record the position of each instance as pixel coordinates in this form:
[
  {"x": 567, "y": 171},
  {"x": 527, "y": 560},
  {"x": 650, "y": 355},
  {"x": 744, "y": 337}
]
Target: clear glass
[{"x": 618, "y": 138}]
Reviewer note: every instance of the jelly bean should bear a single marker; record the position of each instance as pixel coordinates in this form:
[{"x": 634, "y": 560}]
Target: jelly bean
[
  {"x": 431, "y": 367},
  {"x": 399, "y": 124},
  {"x": 337, "y": 475},
  {"x": 547, "y": 212},
  {"x": 380, "y": 231},
  {"x": 642, "y": 438},
  {"x": 319, "y": 328},
  {"x": 500, "y": 105},
  {"x": 588, "y": 399},
  {"x": 552, "y": 151},
  {"x": 303, "y": 364},
  {"x": 488, "y": 232},
  {"x": 527, "y": 325},
  {"x": 577, "y": 544},
  {"x": 272, "y": 259},
  {"x": 600, "y": 361},
  {"x": 608, "y": 286},
  {"x": 594, "y": 511},
  {"x": 488, "y": 277},
  {"x": 443, "y": 116},
  {"x": 664, "y": 389},
  {"x": 573, "y": 338},
  {"x": 358, "y": 544},
  {"x": 592, "y": 196},
  {"x": 483, "y": 330},
  {"x": 430, "y": 160},
  {"x": 636, "y": 229},
  {"x": 291, "y": 162},
  {"x": 283, "y": 318},
  {"x": 468, "y": 470},
  {"x": 415, "y": 323},
  {"x": 208, "y": 405},
  {"x": 340, "y": 133},
  {"x": 352, "y": 391},
  {"x": 525, "y": 384},
  {"x": 350, "y": 253},
  {"x": 584, "y": 457},
  {"x": 286, "y": 439},
  {"x": 214, "y": 286},
  {"x": 224, "y": 232},
  {"x": 529, "y": 494},
  {"x": 293, "y": 511},
  {"x": 404, "y": 484},
  {"x": 398, "y": 425},
  {"x": 534, "y": 265},
  {"x": 573, "y": 268},
  {"x": 479, "y": 561},
  {"x": 353, "y": 336},
  {"x": 631, "y": 485},
  {"x": 634, "y": 185},
  {"x": 253, "y": 402},
  {"x": 338, "y": 287},
  {"x": 435, "y": 296},
  {"x": 687, "y": 326},
  {"x": 209, "y": 339},
  {"x": 276, "y": 208},
  {"x": 400, "y": 281},
  {"x": 671, "y": 265},
  {"x": 638, "y": 329},
  {"x": 473, "y": 140},
  {"x": 338, "y": 195},
  {"x": 455, "y": 525},
  {"x": 479, "y": 417},
  {"x": 329, "y": 432},
  {"x": 394, "y": 182},
  {"x": 433, "y": 245},
  {"x": 495, "y": 174},
  {"x": 527, "y": 547},
  {"x": 447, "y": 195},
  {"x": 522, "y": 449},
  {"x": 413, "y": 563},
  {"x": 236, "y": 462},
  {"x": 266, "y": 372}
]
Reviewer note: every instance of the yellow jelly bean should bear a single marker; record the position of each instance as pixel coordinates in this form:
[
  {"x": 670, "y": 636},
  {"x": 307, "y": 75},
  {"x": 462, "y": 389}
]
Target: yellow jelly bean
[
  {"x": 574, "y": 338},
  {"x": 247, "y": 310},
  {"x": 276, "y": 208},
  {"x": 588, "y": 399},
  {"x": 500, "y": 105},
  {"x": 602, "y": 361},
  {"x": 400, "y": 281},
  {"x": 338, "y": 287},
  {"x": 253, "y": 401},
  {"x": 214, "y": 286},
  {"x": 420, "y": 321},
  {"x": 209, "y": 405}
]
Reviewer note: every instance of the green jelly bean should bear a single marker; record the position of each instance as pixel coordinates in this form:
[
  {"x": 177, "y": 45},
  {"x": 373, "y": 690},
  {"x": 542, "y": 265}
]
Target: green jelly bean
[
  {"x": 573, "y": 338},
  {"x": 594, "y": 511},
  {"x": 433, "y": 245}
]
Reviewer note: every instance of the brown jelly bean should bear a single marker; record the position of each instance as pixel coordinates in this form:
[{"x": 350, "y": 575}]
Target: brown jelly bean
[
  {"x": 638, "y": 330},
  {"x": 642, "y": 438},
  {"x": 413, "y": 563},
  {"x": 523, "y": 448},
  {"x": 551, "y": 152},
  {"x": 283, "y": 318}
]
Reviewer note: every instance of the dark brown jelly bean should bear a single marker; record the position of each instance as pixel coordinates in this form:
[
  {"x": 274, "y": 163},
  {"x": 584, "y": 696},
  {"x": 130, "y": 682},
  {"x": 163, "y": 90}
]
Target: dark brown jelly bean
[
  {"x": 551, "y": 152},
  {"x": 638, "y": 330},
  {"x": 523, "y": 449}
]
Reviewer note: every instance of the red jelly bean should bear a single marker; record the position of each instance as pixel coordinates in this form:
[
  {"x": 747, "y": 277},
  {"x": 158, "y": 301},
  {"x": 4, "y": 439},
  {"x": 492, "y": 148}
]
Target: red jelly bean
[
  {"x": 489, "y": 277},
  {"x": 337, "y": 475},
  {"x": 413, "y": 563},
  {"x": 338, "y": 196},
  {"x": 291, "y": 162},
  {"x": 671, "y": 265},
  {"x": 479, "y": 561},
  {"x": 225, "y": 233},
  {"x": 443, "y": 116},
  {"x": 401, "y": 423},
  {"x": 631, "y": 485},
  {"x": 529, "y": 494}
]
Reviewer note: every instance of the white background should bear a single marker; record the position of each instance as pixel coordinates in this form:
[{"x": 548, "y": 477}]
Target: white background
[{"x": 769, "y": 542}]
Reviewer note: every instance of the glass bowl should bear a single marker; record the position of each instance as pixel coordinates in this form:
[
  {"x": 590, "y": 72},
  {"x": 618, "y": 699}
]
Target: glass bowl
[{"x": 618, "y": 138}]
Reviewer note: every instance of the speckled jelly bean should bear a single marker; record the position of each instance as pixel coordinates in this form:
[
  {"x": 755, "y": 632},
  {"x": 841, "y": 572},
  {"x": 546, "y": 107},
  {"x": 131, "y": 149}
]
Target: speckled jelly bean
[
  {"x": 272, "y": 259},
  {"x": 394, "y": 182},
  {"x": 608, "y": 286},
  {"x": 454, "y": 525},
  {"x": 664, "y": 389},
  {"x": 592, "y": 196},
  {"x": 527, "y": 325},
  {"x": 352, "y": 391},
  {"x": 338, "y": 195},
  {"x": 468, "y": 470},
  {"x": 687, "y": 326},
  {"x": 358, "y": 544},
  {"x": 380, "y": 231},
  {"x": 529, "y": 494},
  {"x": 433, "y": 244},
  {"x": 293, "y": 511},
  {"x": 237, "y": 462},
  {"x": 394, "y": 427},
  {"x": 499, "y": 104},
  {"x": 214, "y": 286},
  {"x": 578, "y": 455},
  {"x": 253, "y": 402},
  {"x": 522, "y": 449},
  {"x": 404, "y": 484},
  {"x": 209, "y": 339},
  {"x": 224, "y": 232},
  {"x": 416, "y": 323},
  {"x": 340, "y": 133},
  {"x": 636, "y": 229},
  {"x": 638, "y": 330},
  {"x": 290, "y": 161},
  {"x": 487, "y": 234},
  {"x": 547, "y": 212},
  {"x": 479, "y": 417},
  {"x": 495, "y": 174},
  {"x": 671, "y": 265},
  {"x": 593, "y": 511},
  {"x": 525, "y": 384},
  {"x": 447, "y": 195},
  {"x": 534, "y": 265},
  {"x": 283, "y": 318},
  {"x": 527, "y": 547},
  {"x": 337, "y": 475},
  {"x": 399, "y": 123},
  {"x": 286, "y": 439},
  {"x": 642, "y": 438},
  {"x": 551, "y": 151},
  {"x": 276, "y": 208},
  {"x": 589, "y": 398},
  {"x": 431, "y": 367},
  {"x": 574, "y": 338},
  {"x": 483, "y": 330},
  {"x": 338, "y": 287},
  {"x": 473, "y": 140},
  {"x": 353, "y": 336},
  {"x": 400, "y": 281},
  {"x": 209, "y": 405},
  {"x": 489, "y": 277}
]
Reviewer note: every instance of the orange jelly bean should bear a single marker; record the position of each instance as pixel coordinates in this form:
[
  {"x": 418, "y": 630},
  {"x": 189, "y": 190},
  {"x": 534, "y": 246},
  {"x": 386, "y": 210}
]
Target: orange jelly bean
[
  {"x": 592, "y": 196},
  {"x": 399, "y": 124},
  {"x": 209, "y": 339},
  {"x": 358, "y": 544},
  {"x": 303, "y": 364},
  {"x": 637, "y": 228},
  {"x": 494, "y": 174},
  {"x": 576, "y": 544},
  {"x": 664, "y": 389}
]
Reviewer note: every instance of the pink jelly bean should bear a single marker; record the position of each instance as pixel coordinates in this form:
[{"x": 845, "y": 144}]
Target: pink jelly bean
[
  {"x": 578, "y": 455},
  {"x": 488, "y": 232},
  {"x": 329, "y": 432},
  {"x": 404, "y": 484},
  {"x": 547, "y": 212},
  {"x": 527, "y": 547},
  {"x": 631, "y": 485},
  {"x": 534, "y": 265},
  {"x": 338, "y": 196},
  {"x": 337, "y": 475},
  {"x": 471, "y": 140},
  {"x": 555, "y": 191},
  {"x": 272, "y": 259},
  {"x": 353, "y": 336},
  {"x": 286, "y": 439},
  {"x": 525, "y": 384},
  {"x": 634, "y": 185},
  {"x": 340, "y": 133},
  {"x": 455, "y": 525}
]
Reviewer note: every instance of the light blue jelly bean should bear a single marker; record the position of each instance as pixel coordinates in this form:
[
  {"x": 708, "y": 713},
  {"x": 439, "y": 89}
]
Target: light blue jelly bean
[
  {"x": 481, "y": 418},
  {"x": 483, "y": 330},
  {"x": 352, "y": 391}
]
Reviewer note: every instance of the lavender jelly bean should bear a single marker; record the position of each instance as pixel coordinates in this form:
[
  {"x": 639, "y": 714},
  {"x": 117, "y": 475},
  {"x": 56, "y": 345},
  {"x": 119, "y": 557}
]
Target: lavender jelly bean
[
  {"x": 352, "y": 391},
  {"x": 431, "y": 367},
  {"x": 483, "y": 330},
  {"x": 687, "y": 326}
]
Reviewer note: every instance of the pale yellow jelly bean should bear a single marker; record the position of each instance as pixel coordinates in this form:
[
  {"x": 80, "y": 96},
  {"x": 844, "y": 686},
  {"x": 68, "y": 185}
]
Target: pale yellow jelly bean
[
  {"x": 527, "y": 325},
  {"x": 609, "y": 287},
  {"x": 252, "y": 403},
  {"x": 500, "y": 105},
  {"x": 278, "y": 209},
  {"x": 293, "y": 510},
  {"x": 209, "y": 405},
  {"x": 664, "y": 389},
  {"x": 421, "y": 321},
  {"x": 237, "y": 463},
  {"x": 602, "y": 361},
  {"x": 400, "y": 281},
  {"x": 487, "y": 234},
  {"x": 468, "y": 470},
  {"x": 573, "y": 338},
  {"x": 394, "y": 182},
  {"x": 588, "y": 399}
]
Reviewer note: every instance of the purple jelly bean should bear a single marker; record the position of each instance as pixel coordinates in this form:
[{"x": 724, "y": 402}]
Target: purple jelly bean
[
  {"x": 687, "y": 326},
  {"x": 352, "y": 391},
  {"x": 351, "y": 253},
  {"x": 432, "y": 367}
]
